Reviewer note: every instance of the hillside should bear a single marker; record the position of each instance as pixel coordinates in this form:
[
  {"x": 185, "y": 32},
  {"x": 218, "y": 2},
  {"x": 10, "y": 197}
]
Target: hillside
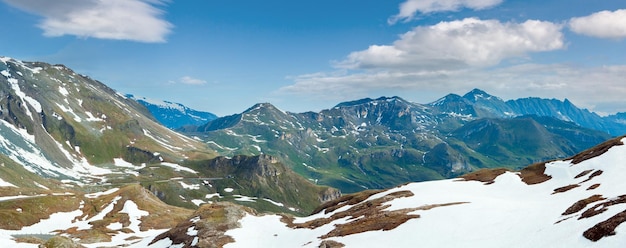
[
  {"x": 64, "y": 131},
  {"x": 380, "y": 143},
  {"x": 576, "y": 202},
  {"x": 64, "y": 125}
]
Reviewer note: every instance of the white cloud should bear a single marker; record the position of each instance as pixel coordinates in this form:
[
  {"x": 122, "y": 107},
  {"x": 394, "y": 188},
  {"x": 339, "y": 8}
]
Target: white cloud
[
  {"x": 457, "y": 56},
  {"x": 409, "y": 9},
  {"x": 603, "y": 24},
  {"x": 135, "y": 20},
  {"x": 548, "y": 81},
  {"x": 191, "y": 81},
  {"x": 458, "y": 44}
]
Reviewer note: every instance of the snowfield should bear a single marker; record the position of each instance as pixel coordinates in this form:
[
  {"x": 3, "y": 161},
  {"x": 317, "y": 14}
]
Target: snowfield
[
  {"x": 458, "y": 213},
  {"x": 580, "y": 202}
]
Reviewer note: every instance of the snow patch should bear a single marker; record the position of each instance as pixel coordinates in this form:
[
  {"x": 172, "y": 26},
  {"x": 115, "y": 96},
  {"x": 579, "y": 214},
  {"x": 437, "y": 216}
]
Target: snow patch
[
  {"x": 6, "y": 184},
  {"x": 98, "y": 194},
  {"x": 178, "y": 167},
  {"x": 190, "y": 186},
  {"x": 135, "y": 214}
]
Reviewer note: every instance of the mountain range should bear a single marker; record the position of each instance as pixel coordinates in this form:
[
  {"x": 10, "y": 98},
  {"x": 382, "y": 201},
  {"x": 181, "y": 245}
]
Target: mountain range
[
  {"x": 380, "y": 143},
  {"x": 82, "y": 165},
  {"x": 62, "y": 131}
]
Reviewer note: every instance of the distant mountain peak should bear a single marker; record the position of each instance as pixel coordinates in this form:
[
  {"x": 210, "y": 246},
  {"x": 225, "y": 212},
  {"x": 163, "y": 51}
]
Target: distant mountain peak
[
  {"x": 173, "y": 115},
  {"x": 370, "y": 100},
  {"x": 446, "y": 99},
  {"x": 261, "y": 106},
  {"x": 478, "y": 94}
]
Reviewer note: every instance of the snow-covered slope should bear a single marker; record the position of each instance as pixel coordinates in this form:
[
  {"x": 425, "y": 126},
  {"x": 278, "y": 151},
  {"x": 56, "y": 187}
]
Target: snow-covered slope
[
  {"x": 577, "y": 202},
  {"x": 114, "y": 218},
  {"x": 59, "y": 124}
]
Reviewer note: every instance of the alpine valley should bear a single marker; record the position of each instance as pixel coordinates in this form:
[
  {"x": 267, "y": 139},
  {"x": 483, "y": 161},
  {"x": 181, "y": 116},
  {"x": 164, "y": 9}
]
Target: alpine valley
[{"x": 82, "y": 165}]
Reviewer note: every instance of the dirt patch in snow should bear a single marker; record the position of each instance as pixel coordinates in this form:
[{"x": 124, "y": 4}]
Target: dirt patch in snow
[
  {"x": 372, "y": 222},
  {"x": 565, "y": 188},
  {"x": 582, "y": 174},
  {"x": 534, "y": 174},
  {"x": 603, "y": 206},
  {"x": 605, "y": 228},
  {"x": 366, "y": 216},
  {"x": 344, "y": 200},
  {"x": 595, "y": 186},
  {"x": 580, "y": 205},
  {"x": 597, "y": 150},
  {"x": 486, "y": 176},
  {"x": 594, "y": 174}
]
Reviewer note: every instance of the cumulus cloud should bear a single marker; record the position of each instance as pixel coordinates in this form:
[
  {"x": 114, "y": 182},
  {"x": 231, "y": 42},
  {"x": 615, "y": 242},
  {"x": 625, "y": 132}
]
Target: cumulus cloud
[
  {"x": 410, "y": 8},
  {"x": 603, "y": 24},
  {"x": 457, "y": 56},
  {"x": 191, "y": 81},
  {"x": 458, "y": 44},
  {"x": 135, "y": 20}
]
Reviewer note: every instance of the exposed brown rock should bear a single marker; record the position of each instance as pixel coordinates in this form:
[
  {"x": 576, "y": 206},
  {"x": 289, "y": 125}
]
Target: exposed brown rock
[
  {"x": 580, "y": 205},
  {"x": 360, "y": 208},
  {"x": 594, "y": 174},
  {"x": 210, "y": 221},
  {"x": 565, "y": 188},
  {"x": 534, "y": 174},
  {"x": 486, "y": 176},
  {"x": 329, "y": 194},
  {"x": 603, "y": 206},
  {"x": 372, "y": 222},
  {"x": 350, "y": 199},
  {"x": 605, "y": 228},
  {"x": 563, "y": 220},
  {"x": 595, "y": 186},
  {"x": 584, "y": 173},
  {"x": 60, "y": 242},
  {"x": 365, "y": 216},
  {"x": 597, "y": 150},
  {"x": 331, "y": 244}
]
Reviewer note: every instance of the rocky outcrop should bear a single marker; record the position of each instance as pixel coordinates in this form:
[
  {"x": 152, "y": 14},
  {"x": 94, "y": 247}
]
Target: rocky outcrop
[{"x": 207, "y": 226}]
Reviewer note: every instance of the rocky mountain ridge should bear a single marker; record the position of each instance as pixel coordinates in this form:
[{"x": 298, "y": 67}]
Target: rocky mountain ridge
[
  {"x": 481, "y": 104},
  {"x": 60, "y": 130},
  {"x": 379, "y": 143}
]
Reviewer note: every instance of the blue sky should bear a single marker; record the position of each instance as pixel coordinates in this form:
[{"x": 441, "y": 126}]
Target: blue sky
[{"x": 225, "y": 56}]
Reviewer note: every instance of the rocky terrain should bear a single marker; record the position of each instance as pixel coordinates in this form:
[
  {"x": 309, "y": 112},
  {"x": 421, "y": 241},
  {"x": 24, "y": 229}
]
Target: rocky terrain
[{"x": 380, "y": 143}]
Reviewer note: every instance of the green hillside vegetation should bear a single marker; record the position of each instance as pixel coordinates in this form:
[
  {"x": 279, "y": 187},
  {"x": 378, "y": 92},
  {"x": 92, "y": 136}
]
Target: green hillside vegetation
[{"x": 373, "y": 144}]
